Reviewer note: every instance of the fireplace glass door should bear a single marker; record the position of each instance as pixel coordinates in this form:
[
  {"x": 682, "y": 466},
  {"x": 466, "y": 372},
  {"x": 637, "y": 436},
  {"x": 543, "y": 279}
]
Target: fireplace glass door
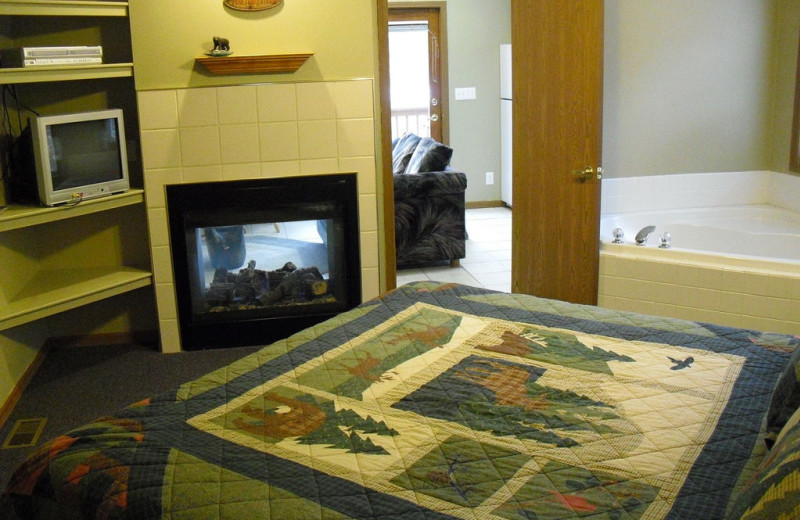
[{"x": 258, "y": 260}]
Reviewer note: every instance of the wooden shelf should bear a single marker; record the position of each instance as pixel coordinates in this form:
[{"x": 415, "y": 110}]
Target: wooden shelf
[
  {"x": 271, "y": 64},
  {"x": 65, "y": 73},
  {"x": 62, "y": 8},
  {"x": 17, "y": 216},
  {"x": 54, "y": 291}
]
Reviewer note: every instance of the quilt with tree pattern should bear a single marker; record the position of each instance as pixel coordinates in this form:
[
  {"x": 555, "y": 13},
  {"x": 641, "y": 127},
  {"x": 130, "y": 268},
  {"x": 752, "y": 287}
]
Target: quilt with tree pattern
[{"x": 436, "y": 401}]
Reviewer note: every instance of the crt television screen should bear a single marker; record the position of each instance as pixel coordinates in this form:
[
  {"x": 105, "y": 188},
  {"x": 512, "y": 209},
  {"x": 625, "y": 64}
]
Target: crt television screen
[{"x": 83, "y": 153}]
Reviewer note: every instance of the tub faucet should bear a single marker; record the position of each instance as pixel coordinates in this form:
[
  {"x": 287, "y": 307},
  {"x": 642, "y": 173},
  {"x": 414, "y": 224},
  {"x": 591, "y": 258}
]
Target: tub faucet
[{"x": 644, "y": 234}]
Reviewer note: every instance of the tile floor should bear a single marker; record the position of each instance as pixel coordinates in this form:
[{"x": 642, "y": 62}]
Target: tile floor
[{"x": 488, "y": 260}]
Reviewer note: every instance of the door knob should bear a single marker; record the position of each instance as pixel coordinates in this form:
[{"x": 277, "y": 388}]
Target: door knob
[
  {"x": 584, "y": 174},
  {"x": 587, "y": 173}
]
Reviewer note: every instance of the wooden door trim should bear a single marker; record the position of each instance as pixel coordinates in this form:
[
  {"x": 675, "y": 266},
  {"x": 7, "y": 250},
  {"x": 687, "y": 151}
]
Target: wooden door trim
[
  {"x": 444, "y": 96},
  {"x": 794, "y": 153},
  {"x": 389, "y": 278}
]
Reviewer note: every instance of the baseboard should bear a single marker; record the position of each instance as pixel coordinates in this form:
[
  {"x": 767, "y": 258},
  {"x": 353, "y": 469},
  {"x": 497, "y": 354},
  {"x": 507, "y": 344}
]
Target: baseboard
[
  {"x": 479, "y": 204},
  {"x": 86, "y": 340}
]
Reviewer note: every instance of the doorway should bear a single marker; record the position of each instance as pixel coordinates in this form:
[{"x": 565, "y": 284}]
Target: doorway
[
  {"x": 521, "y": 235},
  {"x": 417, "y": 70}
]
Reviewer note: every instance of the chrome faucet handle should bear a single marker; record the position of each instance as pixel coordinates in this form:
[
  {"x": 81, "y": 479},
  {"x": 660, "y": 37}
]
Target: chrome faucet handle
[
  {"x": 644, "y": 234},
  {"x": 666, "y": 238},
  {"x": 618, "y": 235}
]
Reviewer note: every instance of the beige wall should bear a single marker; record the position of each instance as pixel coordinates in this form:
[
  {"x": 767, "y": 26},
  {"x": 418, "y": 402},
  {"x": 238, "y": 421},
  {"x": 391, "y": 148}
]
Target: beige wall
[
  {"x": 476, "y": 29},
  {"x": 697, "y": 85},
  {"x": 168, "y": 36}
]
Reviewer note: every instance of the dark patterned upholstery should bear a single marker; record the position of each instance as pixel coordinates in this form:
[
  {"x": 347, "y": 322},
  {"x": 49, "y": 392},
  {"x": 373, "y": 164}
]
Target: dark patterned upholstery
[
  {"x": 429, "y": 156},
  {"x": 402, "y": 150},
  {"x": 429, "y": 205}
]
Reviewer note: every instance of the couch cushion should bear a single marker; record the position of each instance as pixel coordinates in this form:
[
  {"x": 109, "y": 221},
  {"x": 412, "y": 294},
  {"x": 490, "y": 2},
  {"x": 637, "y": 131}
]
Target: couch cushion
[
  {"x": 429, "y": 184},
  {"x": 774, "y": 491},
  {"x": 402, "y": 150},
  {"x": 429, "y": 156}
]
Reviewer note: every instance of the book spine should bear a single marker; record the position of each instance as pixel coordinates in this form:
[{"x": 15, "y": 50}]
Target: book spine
[{"x": 34, "y": 62}]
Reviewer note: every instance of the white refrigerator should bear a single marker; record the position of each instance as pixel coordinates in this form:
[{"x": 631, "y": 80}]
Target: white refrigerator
[{"x": 505, "y": 123}]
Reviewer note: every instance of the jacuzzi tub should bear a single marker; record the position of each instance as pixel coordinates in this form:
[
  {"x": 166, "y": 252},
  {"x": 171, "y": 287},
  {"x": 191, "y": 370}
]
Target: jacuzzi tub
[
  {"x": 758, "y": 231},
  {"x": 731, "y": 265}
]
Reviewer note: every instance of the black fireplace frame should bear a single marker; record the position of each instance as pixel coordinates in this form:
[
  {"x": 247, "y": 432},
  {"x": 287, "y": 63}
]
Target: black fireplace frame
[{"x": 199, "y": 205}]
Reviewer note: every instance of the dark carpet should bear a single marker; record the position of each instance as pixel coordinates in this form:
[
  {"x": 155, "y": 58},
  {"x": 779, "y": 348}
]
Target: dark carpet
[{"x": 78, "y": 384}]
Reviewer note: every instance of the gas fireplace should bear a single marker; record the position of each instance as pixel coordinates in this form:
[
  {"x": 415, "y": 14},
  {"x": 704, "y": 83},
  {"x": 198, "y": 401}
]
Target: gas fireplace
[{"x": 257, "y": 260}]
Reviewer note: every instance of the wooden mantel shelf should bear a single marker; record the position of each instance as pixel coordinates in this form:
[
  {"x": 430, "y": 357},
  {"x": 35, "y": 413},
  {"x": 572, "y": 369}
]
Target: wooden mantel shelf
[{"x": 273, "y": 63}]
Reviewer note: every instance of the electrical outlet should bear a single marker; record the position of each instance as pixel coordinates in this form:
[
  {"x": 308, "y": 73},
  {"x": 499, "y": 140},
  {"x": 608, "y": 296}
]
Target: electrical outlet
[{"x": 489, "y": 177}]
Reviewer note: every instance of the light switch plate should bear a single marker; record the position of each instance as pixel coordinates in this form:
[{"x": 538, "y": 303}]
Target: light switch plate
[{"x": 464, "y": 93}]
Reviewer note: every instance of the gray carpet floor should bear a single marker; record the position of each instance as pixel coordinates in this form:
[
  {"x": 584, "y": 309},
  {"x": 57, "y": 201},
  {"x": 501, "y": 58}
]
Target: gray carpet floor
[{"x": 78, "y": 384}]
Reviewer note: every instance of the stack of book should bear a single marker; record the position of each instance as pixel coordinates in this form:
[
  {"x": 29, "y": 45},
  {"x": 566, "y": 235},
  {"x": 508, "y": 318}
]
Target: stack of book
[{"x": 50, "y": 56}]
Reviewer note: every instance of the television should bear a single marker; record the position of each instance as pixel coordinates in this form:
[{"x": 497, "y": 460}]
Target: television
[{"x": 79, "y": 156}]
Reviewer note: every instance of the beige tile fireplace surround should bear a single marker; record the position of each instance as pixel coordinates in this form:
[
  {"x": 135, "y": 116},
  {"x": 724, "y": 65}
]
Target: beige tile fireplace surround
[{"x": 254, "y": 131}]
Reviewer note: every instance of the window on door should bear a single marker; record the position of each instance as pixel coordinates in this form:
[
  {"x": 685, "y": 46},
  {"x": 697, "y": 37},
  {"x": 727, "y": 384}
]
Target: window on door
[
  {"x": 416, "y": 60},
  {"x": 408, "y": 70}
]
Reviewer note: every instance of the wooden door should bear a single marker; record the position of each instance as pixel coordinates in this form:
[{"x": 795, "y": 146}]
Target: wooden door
[
  {"x": 430, "y": 16},
  {"x": 557, "y": 56}
]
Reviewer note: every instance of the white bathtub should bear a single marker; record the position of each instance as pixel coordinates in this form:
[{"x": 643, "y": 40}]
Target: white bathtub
[
  {"x": 731, "y": 265},
  {"x": 757, "y": 231}
]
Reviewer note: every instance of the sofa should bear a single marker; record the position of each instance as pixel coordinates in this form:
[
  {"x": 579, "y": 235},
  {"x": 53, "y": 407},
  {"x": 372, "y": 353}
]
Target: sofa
[{"x": 429, "y": 202}]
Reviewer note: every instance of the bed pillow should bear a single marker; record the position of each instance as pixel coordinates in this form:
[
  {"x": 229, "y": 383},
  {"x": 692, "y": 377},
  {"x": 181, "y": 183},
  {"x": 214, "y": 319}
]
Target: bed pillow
[
  {"x": 429, "y": 156},
  {"x": 402, "y": 150},
  {"x": 774, "y": 491},
  {"x": 786, "y": 396}
]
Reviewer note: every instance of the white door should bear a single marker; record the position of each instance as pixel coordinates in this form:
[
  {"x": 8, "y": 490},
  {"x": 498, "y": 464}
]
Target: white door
[
  {"x": 506, "y": 150},
  {"x": 506, "y": 133}
]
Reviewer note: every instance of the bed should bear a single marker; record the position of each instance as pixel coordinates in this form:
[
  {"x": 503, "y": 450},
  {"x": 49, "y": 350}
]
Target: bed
[{"x": 442, "y": 401}]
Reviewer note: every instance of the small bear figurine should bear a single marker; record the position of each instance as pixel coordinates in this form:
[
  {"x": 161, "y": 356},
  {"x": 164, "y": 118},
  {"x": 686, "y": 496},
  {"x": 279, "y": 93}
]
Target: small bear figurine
[{"x": 221, "y": 45}]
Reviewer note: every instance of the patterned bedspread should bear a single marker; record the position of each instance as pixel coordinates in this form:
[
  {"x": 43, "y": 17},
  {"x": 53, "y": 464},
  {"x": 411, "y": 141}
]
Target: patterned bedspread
[{"x": 436, "y": 401}]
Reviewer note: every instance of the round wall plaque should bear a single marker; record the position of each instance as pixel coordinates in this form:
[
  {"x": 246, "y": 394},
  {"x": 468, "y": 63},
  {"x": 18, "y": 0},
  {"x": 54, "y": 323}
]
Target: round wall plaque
[{"x": 251, "y": 5}]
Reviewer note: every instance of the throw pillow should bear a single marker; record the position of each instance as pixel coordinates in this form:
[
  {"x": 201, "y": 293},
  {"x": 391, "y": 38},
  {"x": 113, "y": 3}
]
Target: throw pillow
[
  {"x": 774, "y": 491},
  {"x": 429, "y": 156},
  {"x": 402, "y": 150}
]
